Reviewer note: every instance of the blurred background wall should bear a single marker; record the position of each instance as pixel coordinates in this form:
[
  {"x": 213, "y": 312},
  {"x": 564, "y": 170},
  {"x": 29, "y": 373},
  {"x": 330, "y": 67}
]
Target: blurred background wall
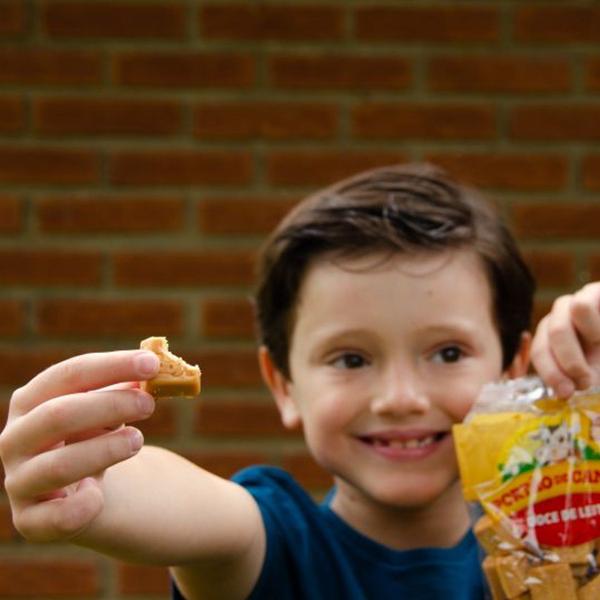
[{"x": 147, "y": 146}]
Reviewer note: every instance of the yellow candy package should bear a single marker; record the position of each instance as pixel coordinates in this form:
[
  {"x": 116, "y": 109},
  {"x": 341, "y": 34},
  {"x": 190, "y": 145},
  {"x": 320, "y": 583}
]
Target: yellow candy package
[{"x": 532, "y": 461}]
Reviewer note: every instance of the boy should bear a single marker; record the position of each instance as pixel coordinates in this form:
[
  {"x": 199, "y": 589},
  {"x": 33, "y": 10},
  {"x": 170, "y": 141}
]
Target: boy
[{"x": 384, "y": 304}]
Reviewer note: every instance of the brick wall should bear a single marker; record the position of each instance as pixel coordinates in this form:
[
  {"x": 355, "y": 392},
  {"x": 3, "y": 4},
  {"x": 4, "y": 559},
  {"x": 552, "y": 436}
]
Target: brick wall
[{"x": 146, "y": 146}]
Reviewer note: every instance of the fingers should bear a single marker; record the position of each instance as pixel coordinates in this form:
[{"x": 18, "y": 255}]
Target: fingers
[
  {"x": 62, "y": 518},
  {"x": 84, "y": 373},
  {"x": 60, "y": 435},
  {"x": 546, "y": 363},
  {"x": 565, "y": 347},
  {"x": 585, "y": 313},
  {"x": 72, "y": 417},
  {"x": 44, "y": 474}
]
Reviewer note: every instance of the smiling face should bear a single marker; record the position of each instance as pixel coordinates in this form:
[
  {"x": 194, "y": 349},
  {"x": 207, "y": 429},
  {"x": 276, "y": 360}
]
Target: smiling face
[{"x": 386, "y": 355}]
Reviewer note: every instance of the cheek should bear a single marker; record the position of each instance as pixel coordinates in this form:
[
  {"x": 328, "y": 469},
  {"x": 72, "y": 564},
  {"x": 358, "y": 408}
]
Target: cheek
[
  {"x": 324, "y": 418},
  {"x": 461, "y": 400}
]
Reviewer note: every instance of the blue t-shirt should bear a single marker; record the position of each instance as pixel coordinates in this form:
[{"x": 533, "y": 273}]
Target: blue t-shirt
[{"x": 312, "y": 554}]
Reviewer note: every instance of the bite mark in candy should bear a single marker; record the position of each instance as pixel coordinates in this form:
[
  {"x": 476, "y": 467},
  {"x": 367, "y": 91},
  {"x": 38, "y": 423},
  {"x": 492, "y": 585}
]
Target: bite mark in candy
[{"x": 175, "y": 377}]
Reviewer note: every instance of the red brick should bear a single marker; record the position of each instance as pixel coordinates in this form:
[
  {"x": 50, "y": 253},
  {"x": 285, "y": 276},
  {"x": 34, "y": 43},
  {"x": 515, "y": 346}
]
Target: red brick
[
  {"x": 591, "y": 172},
  {"x": 185, "y": 268},
  {"x": 506, "y": 171},
  {"x": 270, "y": 22},
  {"x": 541, "y": 307},
  {"x": 30, "y": 578},
  {"x": 3, "y": 413},
  {"x": 226, "y": 368},
  {"x": 36, "y": 165},
  {"x": 251, "y": 215},
  {"x": 320, "y": 167},
  {"x": 562, "y": 23},
  {"x": 142, "y": 579},
  {"x": 184, "y": 70},
  {"x": 551, "y": 268},
  {"x": 234, "y": 418},
  {"x": 46, "y": 266},
  {"x": 227, "y": 317},
  {"x": 110, "y": 214},
  {"x": 377, "y": 120},
  {"x": 3, "y": 420},
  {"x": 12, "y": 114},
  {"x": 225, "y": 463},
  {"x": 564, "y": 122},
  {"x": 592, "y": 74},
  {"x": 13, "y": 19},
  {"x": 106, "y": 116},
  {"x": 7, "y": 531},
  {"x": 45, "y": 66},
  {"x": 10, "y": 214},
  {"x": 112, "y": 318},
  {"x": 12, "y": 317},
  {"x": 114, "y": 19},
  {"x": 268, "y": 120},
  {"x": 492, "y": 73},
  {"x": 306, "y": 471},
  {"x": 182, "y": 167},
  {"x": 18, "y": 366},
  {"x": 428, "y": 24},
  {"x": 594, "y": 267},
  {"x": 339, "y": 72},
  {"x": 563, "y": 221},
  {"x": 162, "y": 423}
]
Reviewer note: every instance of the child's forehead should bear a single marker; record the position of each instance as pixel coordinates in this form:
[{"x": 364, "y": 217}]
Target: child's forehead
[
  {"x": 416, "y": 264},
  {"x": 339, "y": 280},
  {"x": 382, "y": 297}
]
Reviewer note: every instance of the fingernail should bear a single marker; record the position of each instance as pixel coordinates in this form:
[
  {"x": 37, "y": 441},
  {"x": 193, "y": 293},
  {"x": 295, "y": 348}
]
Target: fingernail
[
  {"x": 146, "y": 363},
  {"x": 145, "y": 403},
  {"x": 584, "y": 383},
  {"x": 136, "y": 440},
  {"x": 564, "y": 389}
]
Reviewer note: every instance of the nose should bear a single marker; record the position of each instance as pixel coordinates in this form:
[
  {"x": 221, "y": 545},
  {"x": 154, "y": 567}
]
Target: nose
[{"x": 402, "y": 392}]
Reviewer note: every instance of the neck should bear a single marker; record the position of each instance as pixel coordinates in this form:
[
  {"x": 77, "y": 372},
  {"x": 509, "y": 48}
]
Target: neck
[{"x": 443, "y": 523}]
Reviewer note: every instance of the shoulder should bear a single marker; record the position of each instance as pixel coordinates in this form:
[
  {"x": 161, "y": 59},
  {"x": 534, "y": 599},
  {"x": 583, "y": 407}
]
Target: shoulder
[
  {"x": 300, "y": 549},
  {"x": 281, "y": 499},
  {"x": 264, "y": 478}
]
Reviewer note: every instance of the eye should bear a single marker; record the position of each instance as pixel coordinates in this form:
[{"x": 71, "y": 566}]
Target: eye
[
  {"x": 448, "y": 354},
  {"x": 349, "y": 360}
]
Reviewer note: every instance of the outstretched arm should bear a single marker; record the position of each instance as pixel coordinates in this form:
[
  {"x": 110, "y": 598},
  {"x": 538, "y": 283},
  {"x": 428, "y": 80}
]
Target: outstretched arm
[
  {"x": 75, "y": 473},
  {"x": 566, "y": 346}
]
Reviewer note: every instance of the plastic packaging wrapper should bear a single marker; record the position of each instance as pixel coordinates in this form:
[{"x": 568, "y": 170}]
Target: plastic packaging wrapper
[{"x": 532, "y": 461}]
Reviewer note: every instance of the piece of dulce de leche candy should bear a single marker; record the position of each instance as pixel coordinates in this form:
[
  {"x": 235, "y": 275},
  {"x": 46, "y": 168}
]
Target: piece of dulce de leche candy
[
  {"x": 552, "y": 582},
  {"x": 493, "y": 538},
  {"x": 590, "y": 591},
  {"x": 175, "y": 377},
  {"x": 491, "y": 574}
]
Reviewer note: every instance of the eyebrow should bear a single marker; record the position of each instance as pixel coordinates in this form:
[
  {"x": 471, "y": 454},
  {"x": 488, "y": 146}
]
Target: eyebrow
[{"x": 335, "y": 334}]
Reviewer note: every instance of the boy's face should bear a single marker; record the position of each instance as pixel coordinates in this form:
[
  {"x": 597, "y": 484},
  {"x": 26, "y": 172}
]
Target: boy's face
[{"x": 386, "y": 355}]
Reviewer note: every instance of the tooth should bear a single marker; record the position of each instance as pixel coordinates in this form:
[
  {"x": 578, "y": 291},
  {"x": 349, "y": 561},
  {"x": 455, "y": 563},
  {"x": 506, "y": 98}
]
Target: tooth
[{"x": 409, "y": 444}]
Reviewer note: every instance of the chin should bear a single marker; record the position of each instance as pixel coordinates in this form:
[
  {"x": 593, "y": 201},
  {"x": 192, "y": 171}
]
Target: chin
[
  {"x": 409, "y": 499},
  {"x": 412, "y": 493}
]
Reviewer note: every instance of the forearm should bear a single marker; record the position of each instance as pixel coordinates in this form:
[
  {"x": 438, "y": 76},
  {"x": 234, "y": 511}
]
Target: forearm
[{"x": 161, "y": 509}]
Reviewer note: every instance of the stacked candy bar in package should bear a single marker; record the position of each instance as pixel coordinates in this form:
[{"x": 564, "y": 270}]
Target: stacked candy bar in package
[{"x": 532, "y": 461}]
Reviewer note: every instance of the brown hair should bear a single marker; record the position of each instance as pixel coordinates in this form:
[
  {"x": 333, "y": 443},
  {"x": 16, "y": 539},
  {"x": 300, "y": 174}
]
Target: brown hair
[{"x": 404, "y": 208}]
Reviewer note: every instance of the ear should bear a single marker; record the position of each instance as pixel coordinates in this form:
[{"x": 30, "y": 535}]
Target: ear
[
  {"x": 520, "y": 363},
  {"x": 280, "y": 389}
]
